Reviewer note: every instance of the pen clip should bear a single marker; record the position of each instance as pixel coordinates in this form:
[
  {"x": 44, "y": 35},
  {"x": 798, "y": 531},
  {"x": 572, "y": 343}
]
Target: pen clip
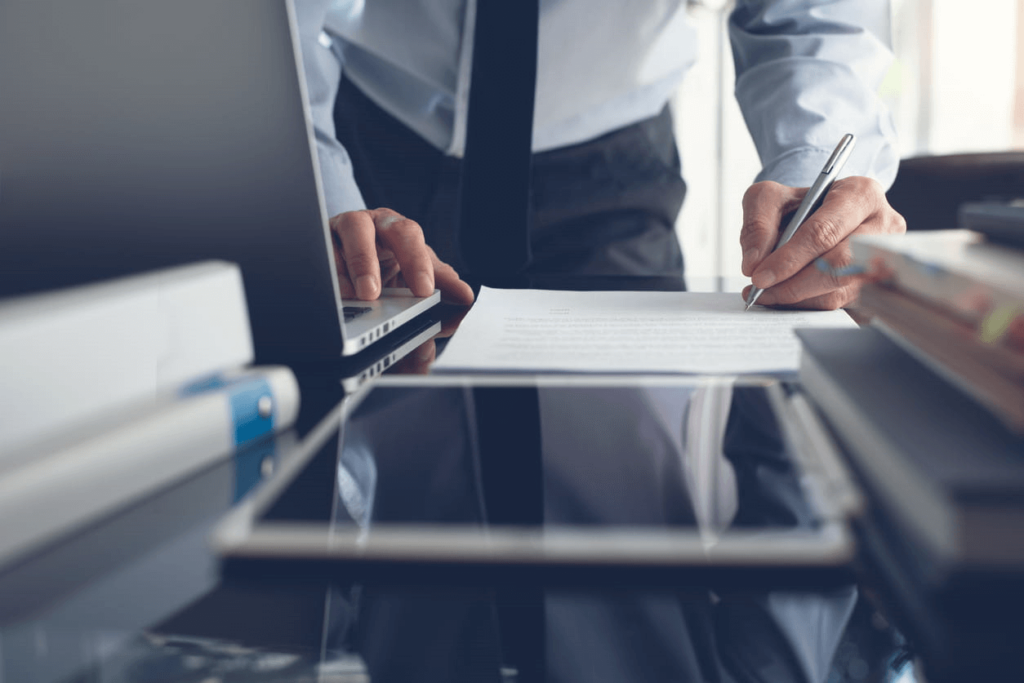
[{"x": 844, "y": 147}]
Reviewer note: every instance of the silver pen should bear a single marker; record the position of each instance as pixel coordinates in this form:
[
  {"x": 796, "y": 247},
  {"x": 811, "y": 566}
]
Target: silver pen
[{"x": 812, "y": 200}]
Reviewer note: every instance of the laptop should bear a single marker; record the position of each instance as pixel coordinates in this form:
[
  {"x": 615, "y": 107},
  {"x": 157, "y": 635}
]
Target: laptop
[{"x": 136, "y": 136}]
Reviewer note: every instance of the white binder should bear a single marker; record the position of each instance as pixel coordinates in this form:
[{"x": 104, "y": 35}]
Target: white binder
[
  {"x": 69, "y": 356},
  {"x": 52, "y": 487}
]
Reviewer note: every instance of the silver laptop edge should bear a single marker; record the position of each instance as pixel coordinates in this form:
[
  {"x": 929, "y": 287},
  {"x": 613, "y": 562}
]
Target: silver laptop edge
[{"x": 385, "y": 315}]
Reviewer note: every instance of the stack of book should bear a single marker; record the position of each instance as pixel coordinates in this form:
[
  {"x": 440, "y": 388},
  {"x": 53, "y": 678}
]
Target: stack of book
[
  {"x": 928, "y": 401},
  {"x": 956, "y": 301},
  {"x": 109, "y": 392}
]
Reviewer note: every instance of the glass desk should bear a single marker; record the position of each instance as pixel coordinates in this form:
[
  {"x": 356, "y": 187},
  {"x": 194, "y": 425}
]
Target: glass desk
[
  {"x": 700, "y": 593},
  {"x": 452, "y": 529}
]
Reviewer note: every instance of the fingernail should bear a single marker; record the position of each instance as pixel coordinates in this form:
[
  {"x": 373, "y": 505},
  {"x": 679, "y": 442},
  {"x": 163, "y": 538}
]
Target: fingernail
[
  {"x": 422, "y": 283},
  {"x": 366, "y": 287},
  {"x": 750, "y": 255},
  {"x": 765, "y": 279}
]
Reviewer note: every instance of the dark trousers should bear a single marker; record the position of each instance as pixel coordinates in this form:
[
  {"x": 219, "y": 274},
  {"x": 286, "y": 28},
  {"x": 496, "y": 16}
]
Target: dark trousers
[{"x": 604, "y": 211}]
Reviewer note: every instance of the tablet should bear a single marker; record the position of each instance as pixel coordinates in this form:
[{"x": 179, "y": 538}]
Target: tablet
[{"x": 570, "y": 480}]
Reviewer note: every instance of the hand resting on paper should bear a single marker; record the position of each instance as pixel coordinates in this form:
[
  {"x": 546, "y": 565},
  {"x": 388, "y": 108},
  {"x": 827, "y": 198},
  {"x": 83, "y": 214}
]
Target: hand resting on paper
[
  {"x": 789, "y": 275},
  {"x": 381, "y": 248}
]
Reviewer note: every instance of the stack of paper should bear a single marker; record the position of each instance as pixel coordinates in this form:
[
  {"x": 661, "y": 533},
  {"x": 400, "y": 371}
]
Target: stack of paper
[{"x": 628, "y": 332}]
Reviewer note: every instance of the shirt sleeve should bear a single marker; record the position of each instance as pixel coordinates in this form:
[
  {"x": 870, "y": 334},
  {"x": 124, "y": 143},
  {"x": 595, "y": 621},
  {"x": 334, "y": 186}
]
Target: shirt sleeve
[
  {"x": 322, "y": 66},
  {"x": 808, "y": 71}
]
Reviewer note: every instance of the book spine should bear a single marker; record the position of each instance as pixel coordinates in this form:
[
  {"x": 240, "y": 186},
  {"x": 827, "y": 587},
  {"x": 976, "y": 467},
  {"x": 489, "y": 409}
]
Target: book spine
[
  {"x": 990, "y": 375},
  {"x": 85, "y": 479},
  {"x": 995, "y": 312},
  {"x": 1003, "y": 400}
]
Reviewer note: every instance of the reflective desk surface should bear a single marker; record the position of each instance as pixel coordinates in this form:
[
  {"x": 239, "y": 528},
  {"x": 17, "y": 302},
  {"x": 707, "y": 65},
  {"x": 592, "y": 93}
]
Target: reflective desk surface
[{"x": 693, "y": 478}]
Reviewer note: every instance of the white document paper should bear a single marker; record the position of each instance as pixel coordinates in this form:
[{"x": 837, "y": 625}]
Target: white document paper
[{"x": 528, "y": 330}]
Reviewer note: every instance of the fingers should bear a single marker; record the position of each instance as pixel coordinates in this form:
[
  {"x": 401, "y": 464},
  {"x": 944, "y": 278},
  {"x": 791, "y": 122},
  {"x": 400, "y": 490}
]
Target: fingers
[
  {"x": 764, "y": 206},
  {"x": 421, "y": 270},
  {"x": 355, "y": 248},
  {"x": 380, "y": 246},
  {"x": 826, "y": 284},
  {"x": 813, "y": 270},
  {"x": 404, "y": 237},
  {"x": 847, "y": 205},
  {"x": 825, "y": 302},
  {"x": 453, "y": 289}
]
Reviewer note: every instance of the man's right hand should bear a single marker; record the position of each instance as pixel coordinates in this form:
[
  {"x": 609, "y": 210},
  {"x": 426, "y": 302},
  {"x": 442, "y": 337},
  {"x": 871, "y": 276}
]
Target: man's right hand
[{"x": 381, "y": 248}]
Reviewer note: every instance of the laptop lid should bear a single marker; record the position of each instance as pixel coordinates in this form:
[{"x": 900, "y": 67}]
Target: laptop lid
[{"x": 136, "y": 136}]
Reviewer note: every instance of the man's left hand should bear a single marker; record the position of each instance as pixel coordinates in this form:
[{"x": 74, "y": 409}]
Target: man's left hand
[
  {"x": 854, "y": 205},
  {"x": 381, "y": 248}
]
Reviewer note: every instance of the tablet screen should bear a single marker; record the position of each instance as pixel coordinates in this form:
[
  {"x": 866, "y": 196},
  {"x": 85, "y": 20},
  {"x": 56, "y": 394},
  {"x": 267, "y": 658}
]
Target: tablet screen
[{"x": 567, "y": 479}]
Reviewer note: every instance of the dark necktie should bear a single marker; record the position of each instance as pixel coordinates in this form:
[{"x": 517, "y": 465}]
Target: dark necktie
[{"x": 495, "y": 215}]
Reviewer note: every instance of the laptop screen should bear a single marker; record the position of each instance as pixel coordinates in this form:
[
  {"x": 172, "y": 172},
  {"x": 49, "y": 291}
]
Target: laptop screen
[{"x": 135, "y": 136}]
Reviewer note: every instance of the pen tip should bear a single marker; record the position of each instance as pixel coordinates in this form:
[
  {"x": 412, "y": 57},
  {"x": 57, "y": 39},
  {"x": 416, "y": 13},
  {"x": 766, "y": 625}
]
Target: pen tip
[{"x": 755, "y": 294}]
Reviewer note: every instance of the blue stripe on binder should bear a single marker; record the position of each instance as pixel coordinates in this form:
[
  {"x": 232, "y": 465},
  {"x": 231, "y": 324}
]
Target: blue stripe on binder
[
  {"x": 245, "y": 400},
  {"x": 245, "y": 394}
]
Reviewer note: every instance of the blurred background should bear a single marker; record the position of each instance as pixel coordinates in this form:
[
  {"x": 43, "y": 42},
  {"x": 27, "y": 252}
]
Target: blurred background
[{"x": 956, "y": 86}]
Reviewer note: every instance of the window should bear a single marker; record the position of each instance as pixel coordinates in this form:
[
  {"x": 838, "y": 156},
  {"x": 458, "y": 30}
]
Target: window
[{"x": 957, "y": 85}]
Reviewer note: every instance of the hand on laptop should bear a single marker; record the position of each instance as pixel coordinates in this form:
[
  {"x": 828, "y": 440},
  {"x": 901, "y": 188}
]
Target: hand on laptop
[
  {"x": 810, "y": 270},
  {"x": 380, "y": 248}
]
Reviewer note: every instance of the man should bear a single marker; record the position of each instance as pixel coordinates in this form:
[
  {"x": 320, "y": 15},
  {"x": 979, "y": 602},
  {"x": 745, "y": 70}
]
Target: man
[{"x": 388, "y": 85}]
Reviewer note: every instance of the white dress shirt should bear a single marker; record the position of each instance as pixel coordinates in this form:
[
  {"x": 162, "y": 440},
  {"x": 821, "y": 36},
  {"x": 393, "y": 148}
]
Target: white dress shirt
[{"x": 807, "y": 72}]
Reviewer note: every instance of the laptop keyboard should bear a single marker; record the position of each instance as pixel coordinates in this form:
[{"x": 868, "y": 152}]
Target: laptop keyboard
[{"x": 353, "y": 312}]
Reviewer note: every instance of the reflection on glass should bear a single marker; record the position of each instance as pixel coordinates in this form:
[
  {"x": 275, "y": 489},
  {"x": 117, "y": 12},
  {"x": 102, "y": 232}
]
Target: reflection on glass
[{"x": 701, "y": 459}]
